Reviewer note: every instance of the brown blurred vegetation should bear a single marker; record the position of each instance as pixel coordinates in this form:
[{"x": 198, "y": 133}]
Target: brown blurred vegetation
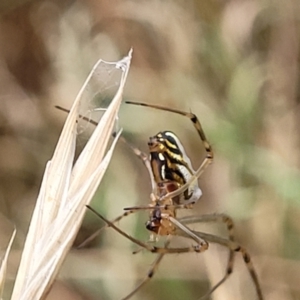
[{"x": 233, "y": 63}]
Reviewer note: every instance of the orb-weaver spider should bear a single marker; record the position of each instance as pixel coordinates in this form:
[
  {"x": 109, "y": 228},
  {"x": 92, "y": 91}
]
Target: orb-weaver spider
[{"x": 175, "y": 186}]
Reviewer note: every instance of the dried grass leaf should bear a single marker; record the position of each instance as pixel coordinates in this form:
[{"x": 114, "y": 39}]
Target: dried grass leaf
[
  {"x": 64, "y": 193},
  {"x": 4, "y": 263}
]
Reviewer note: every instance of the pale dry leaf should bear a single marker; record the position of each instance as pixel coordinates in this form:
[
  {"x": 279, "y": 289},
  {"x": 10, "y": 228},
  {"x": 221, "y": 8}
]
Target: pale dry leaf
[
  {"x": 64, "y": 193},
  {"x": 3, "y": 266},
  {"x": 46, "y": 203}
]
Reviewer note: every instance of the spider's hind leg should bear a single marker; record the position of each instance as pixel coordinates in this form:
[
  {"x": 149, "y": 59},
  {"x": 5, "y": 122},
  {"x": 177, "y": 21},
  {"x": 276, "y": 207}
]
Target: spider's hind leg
[
  {"x": 216, "y": 218},
  {"x": 150, "y": 274}
]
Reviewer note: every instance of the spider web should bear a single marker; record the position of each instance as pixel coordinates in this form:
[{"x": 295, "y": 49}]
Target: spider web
[{"x": 98, "y": 92}]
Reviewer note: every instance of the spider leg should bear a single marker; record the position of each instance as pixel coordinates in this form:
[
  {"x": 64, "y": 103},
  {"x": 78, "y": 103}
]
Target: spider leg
[
  {"x": 150, "y": 273},
  {"x": 146, "y": 162},
  {"x": 80, "y": 116},
  {"x": 96, "y": 233},
  {"x": 193, "y": 178},
  {"x": 200, "y": 247},
  {"x": 163, "y": 207},
  {"x": 222, "y": 218},
  {"x": 143, "y": 156},
  {"x": 232, "y": 245},
  {"x": 245, "y": 255}
]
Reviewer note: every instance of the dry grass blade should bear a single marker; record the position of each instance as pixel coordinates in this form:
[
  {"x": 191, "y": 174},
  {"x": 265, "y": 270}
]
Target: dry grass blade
[
  {"x": 64, "y": 193},
  {"x": 4, "y": 263}
]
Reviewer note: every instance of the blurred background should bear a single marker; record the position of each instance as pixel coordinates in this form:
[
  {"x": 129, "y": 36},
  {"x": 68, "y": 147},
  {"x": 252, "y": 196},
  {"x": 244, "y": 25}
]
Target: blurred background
[{"x": 235, "y": 64}]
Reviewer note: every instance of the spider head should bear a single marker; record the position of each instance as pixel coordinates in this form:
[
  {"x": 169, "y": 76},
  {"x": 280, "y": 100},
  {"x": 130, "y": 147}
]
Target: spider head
[{"x": 154, "y": 223}]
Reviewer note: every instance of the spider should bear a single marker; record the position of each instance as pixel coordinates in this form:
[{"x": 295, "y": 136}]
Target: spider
[{"x": 175, "y": 186}]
